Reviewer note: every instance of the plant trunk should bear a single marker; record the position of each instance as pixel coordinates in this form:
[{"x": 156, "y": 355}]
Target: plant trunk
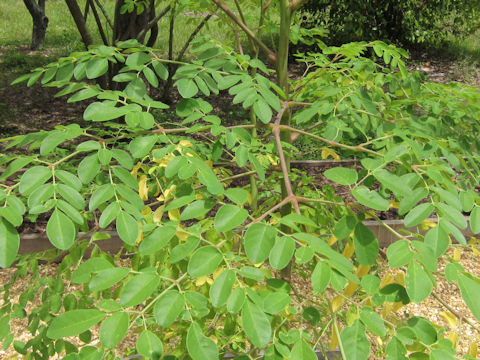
[
  {"x": 40, "y": 22},
  {"x": 80, "y": 22},
  {"x": 282, "y": 79},
  {"x": 129, "y": 25}
]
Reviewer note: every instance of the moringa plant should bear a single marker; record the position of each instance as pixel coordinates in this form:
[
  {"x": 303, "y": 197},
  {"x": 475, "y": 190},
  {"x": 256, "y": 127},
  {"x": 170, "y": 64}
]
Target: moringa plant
[{"x": 214, "y": 269}]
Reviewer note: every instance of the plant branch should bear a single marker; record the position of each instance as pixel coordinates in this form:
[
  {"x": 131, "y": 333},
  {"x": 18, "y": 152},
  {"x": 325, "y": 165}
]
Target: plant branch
[
  {"x": 192, "y": 36},
  {"x": 270, "y": 54},
  {"x": 152, "y": 23},
  {"x": 454, "y": 312},
  {"x": 102, "y": 9}
]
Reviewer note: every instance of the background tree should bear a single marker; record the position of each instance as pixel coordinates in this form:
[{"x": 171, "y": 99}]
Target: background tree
[{"x": 36, "y": 8}]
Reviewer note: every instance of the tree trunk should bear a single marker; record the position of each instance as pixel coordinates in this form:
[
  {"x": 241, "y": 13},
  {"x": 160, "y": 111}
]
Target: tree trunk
[
  {"x": 129, "y": 25},
  {"x": 40, "y": 22},
  {"x": 80, "y": 22}
]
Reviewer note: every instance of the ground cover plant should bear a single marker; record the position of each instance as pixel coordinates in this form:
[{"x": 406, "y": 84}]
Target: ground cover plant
[{"x": 212, "y": 261}]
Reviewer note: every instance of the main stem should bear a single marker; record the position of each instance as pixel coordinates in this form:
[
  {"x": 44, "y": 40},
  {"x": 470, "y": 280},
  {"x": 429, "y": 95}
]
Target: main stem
[{"x": 282, "y": 78}]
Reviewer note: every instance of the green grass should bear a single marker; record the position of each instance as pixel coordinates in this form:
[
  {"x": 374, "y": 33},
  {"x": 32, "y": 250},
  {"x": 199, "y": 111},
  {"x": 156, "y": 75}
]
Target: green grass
[{"x": 62, "y": 36}]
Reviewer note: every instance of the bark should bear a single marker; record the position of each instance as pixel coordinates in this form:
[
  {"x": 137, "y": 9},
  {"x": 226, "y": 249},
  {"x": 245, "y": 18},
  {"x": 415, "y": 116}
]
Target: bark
[
  {"x": 40, "y": 22},
  {"x": 80, "y": 22},
  {"x": 130, "y": 25}
]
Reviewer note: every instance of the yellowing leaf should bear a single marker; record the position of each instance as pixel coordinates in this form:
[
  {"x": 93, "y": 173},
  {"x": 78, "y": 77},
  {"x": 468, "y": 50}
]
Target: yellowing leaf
[
  {"x": 397, "y": 306},
  {"x": 379, "y": 340},
  {"x": 185, "y": 143},
  {"x": 387, "y": 279},
  {"x": 449, "y": 318},
  {"x": 453, "y": 337},
  {"x": 387, "y": 309},
  {"x": 350, "y": 289},
  {"x": 394, "y": 204},
  {"x": 400, "y": 278},
  {"x": 182, "y": 236},
  {"x": 326, "y": 152},
  {"x": 272, "y": 160},
  {"x": 427, "y": 224},
  {"x": 143, "y": 188},
  {"x": 140, "y": 237},
  {"x": 337, "y": 302},
  {"x": 217, "y": 272},
  {"x": 202, "y": 280},
  {"x": 174, "y": 215},
  {"x": 473, "y": 349},
  {"x": 348, "y": 250},
  {"x": 157, "y": 214},
  {"x": 457, "y": 255},
  {"x": 135, "y": 169},
  {"x": 362, "y": 270},
  {"x": 333, "y": 239},
  {"x": 334, "y": 338}
]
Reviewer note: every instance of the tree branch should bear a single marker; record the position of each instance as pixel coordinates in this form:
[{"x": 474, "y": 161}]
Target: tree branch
[
  {"x": 270, "y": 54},
  {"x": 152, "y": 23}
]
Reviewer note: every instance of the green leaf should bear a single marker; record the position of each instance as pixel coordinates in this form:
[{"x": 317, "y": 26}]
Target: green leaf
[
  {"x": 74, "y": 322},
  {"x": 114, "y": 329},
  {"x": 251, "y": 272},
  {"x": 180, "y": 202},
  {"x": 157, "y": 240},
  {"x": 197, "y": 209},
  {"x": 399, "y": 253},
  {"x": 182, "y": 250},
  {"x": 411, "y": 200},
  {"x": 160, "y": 69},
  {"x": 258, "y": 241},
  {"x": 229, "y": 217},
  {"x": 256, "y": 325},
  {"x": 104, "y": 111},
  {"x": 204, "y": 261},
  {"x": 236, "y": 300},
  {"x": 96, "y": 67},
  {"x": 452, "y": 214},
  {"x": 276, "y": 302},
  {"x": 424, "y": 330},
  {"x": 100, "y": 196},
  {"x": 187, "y": 88},
  {"x": 373, "y": 321},
  {"x": 127, "y": 228},
  {"x": 470, "y": 290},
  {"x": 371, "y": 199},
  {"x": 418, "y": 284},
  {"x": 395, "y": 350},
  {"x": 393, "y": 182},
  {"x": 126, "y": 177},
  {"x": 88, "y": 168},
  {"x": 149, "y": 345},
  {"x": 257, "y": 166},
  {"x": 137, "y": 59},
  {"x": 33, "y": 178},
  {"x": 262, "y": 110},
  {"x": 345, "y": 227},
  {"x": 200, "y": 347},
  {"x": 140, "y": 146},
  {"x": 138, "y": 289},
  {"x": 366, "y": 245},
  {"x": 14, "y": 166},
  {"x": 168, "y": 307},
  {"x": 109, "y": 214},
  {"x": 237, "y": 195},
  {"x": 282, "y": 252},
  {"x": 71, "y": 212},
  {"x": 475, "y": 220},
  {"x": 302, "y": 351},
  {"x": 355, "y": 342},
  {"x": 11, "y": 215},
  {"x": 342, "y": 176},
  {"x": 72, "y": 196},
  {"x": 136, "y": 89},
  {"x": 105, "y": 279},
  {"x": 9, "y": 243},
  {"x": 60, "y": 230},
  {"x": 418, "y": 214},
  {"x": 83, "y": 272},
  {"x": 222, "y": 288},
  {"x": 438, "y": 240},
  {"x": 150, "y": 76},
  {"x": 321, "y": 276}
]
